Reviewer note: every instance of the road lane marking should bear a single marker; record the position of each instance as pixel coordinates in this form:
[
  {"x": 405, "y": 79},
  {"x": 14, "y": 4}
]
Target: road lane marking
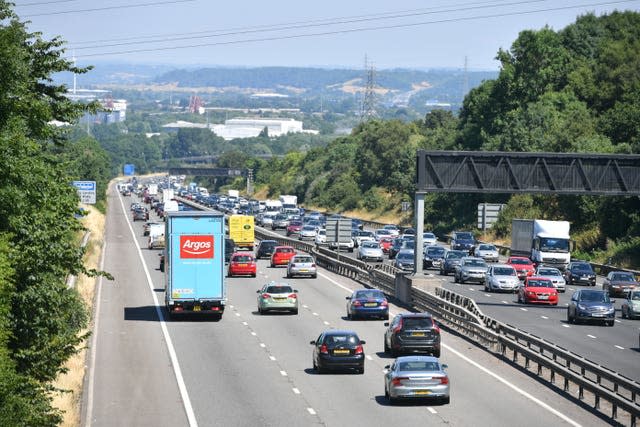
[
  {"x": 311, "y": 411},
  {"x": 617, "y": 346},
  {"x": 231, "y": 306},
  {"x": 263, "y": 345},
  {"x": 471, "y": 289},
  {"x": 237, "y": 314},
  {"x": 591, "y": 336},
  {"x": 544, "y": 317},
  {"x": 283, "y": 373},
  {"x": 272, "y": 358},
  {"x": 369, "y": 357},
  {"x": 566, "y": 326},
  {"x": 523, "y": 309},
  {"x": 315, "y": 314},
  {"x": 513, "y": 387},
  {"x": 325, "y": 322},
  {"x": 430, "y": 409},
  {"x": 295, "y": 390},
  {"x": 177, "y": 371},
  {"x": 245, "y": 323},
  {"x": 335, "y": 283},
  {"x": 305, "y": 306},
  {"x": 505, "y": 302},
  {"x": 487, "y": 295},
  {"x": 616, "y": 320}
]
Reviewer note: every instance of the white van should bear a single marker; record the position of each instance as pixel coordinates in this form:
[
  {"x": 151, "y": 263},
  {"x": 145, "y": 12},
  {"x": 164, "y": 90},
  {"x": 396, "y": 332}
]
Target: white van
[
  {"x": 156, "y": 236},
  {"x": 171, "y": 206}
]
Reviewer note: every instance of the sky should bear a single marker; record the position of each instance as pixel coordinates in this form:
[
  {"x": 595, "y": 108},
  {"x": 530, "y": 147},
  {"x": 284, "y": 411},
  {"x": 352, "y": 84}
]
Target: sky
[{"x": 329, "y": 33}]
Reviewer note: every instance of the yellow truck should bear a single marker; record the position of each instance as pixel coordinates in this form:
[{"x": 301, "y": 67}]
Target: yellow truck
[{"x": 241, "y": 231}]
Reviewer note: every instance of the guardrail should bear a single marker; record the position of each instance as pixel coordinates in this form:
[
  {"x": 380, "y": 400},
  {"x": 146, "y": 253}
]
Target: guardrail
[{"x": 461, "y": 314}]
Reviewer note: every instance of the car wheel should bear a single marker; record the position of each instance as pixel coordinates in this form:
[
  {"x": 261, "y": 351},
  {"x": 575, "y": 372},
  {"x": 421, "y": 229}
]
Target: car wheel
[
  {"x": 288, "y": 275},
  {"x": 455, "y": 278},
  {"x": 361, "y": 370},
  {"x": 461, "y": 280},
  {"x": 315, "y": 276},
  {"x": 569, "y": 319},
  {"x": 385, "y": 317},
  {"x": 442, "y": 273},
  {"x": 272, "y": 265},
  {"x": 253, "y": 275},
  {"x": 610, "y": 322},
  {"x": 295, "y": 311},
  {"x": 486, "y": 288},
  {"x": 349, "y": 317},
  {"x": 392, "y": 400},
  {"x": 260, "y": 312},
  {"x": 394, "y": 352},
  {"x": 446, "y": 400},
  {"x": 436, "y": 353}
]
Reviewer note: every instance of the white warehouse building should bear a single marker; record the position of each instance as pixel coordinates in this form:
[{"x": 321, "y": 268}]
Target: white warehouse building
[{"x": 247, "y": 128}]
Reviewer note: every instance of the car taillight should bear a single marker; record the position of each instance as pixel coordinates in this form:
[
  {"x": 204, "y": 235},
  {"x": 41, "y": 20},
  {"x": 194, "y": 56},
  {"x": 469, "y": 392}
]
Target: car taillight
[
  {"x": 359, "y": 349},
  {"x": 436, "y": 328},
  {"x": 398, "y": 328},
  {"x": 384, "y": 304},
  {"x": 324, "y": 349},
  {"x": 356, "y": 303},
  {"x": 294, "y": 296},
  {"x": 398, "y": 380},
  {"x": 443, "y": 380},
  {"x": 266, "y": 296},
  {"x": 313, "y": 266}
]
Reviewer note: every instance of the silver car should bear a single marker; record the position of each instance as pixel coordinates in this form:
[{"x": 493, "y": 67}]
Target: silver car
[
  {"x": 405, "y": 260},
  {"x": 486, "y": 251},
  {"x": 302, "y": 265},
  {"x": 416, "y": 377},
  {"x": 554, "y": 275},
  {"x": 307, "y": 232},
  {"x": 370, "y": 250},
  {"x": 471, "y": 269},
  {"x": 502, "y": 277},
  {"x": 277, "y": 296}
]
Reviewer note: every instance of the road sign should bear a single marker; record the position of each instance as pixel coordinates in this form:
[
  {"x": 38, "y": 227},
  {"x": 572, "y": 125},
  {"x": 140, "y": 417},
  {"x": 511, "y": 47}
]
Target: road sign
[
  {"x": 338, "y": 230},
  {"x": 488, "y": 214},
  {"x": 129, "y": 170},
  {"x": 87, "y": 191}
]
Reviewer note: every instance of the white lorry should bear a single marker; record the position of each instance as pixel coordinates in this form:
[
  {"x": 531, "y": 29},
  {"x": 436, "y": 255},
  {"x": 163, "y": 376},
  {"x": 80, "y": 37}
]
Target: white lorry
[{"x": 544, "y": 242}]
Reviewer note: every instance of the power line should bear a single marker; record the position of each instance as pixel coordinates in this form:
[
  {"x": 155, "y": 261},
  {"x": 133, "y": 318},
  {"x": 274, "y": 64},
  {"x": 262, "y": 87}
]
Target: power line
[
  {"x": 45, "y": 2},
  {"x": 352, "y": 30},
  {"x": 97, "y": 9},
  {"x": 286, "y": 25}
]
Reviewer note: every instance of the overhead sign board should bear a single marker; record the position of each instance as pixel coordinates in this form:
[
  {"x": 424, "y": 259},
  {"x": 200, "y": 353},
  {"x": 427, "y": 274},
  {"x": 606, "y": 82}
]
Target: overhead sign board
[
  {"x": 488, "y": 214},
  {"x": 87, "y": 191},
  {"x": 339, "y": 230}
]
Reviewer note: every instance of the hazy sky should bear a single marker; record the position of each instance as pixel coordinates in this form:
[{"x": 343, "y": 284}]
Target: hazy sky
[{"x": 329, "y": 33}]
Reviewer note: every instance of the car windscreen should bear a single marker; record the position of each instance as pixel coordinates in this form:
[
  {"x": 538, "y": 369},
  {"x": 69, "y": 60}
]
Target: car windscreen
[
  {"x": 373, "y": 245},
  {"x": 486, "y": 248},
  {"x": 540, "y": 284},
  {"x": 594, "y": 296},
  {"x": 464, "y": 236},
  {"x": 582, "y": 267},
  {"x": 405, "y": 256},
  {"x": 504, "y": 271},
  {"x": 279, "y": 289},
  {"x": 417, "y": 323},
  {"x": 623, "y": 277},
  {"x": 435, "y": 251},
  {"x": 455, "y": 255},
  {"x": 475, "y": 263},
  {"x": 308, "y": 228}
]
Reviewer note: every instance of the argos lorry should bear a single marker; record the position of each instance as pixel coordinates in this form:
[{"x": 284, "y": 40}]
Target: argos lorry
[
  {"x": 544, "y": 242},
  {"x": 242, "y": 231},
  {"x": 194, "y": 263}
]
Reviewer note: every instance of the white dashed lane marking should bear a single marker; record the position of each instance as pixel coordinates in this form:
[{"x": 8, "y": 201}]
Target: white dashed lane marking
[
  {"x": 523, "y": 309},
  {"x": 295, "y": 390},
  {"x": 544, "y": 317},
  {"x": 591, "y": 336},
  {"x": 273, "y": 359},
  {"x": 566, "y": 326},
  {"x": 617, "y": 346},
  {"x": 430, "y": 409},
  {"x": 283, "y": 373},
  {"x": 311, "y": 411}
]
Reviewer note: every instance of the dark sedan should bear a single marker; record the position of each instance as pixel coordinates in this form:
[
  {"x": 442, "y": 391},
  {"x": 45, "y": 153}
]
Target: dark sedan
[
  {"x": 450, "y": 260},
  {"x": 265, "y": 248},
  {"x": 365, "y": 303},
  {"x": 338, "y": 350},
  {"x": 580, "y": 273},
  {"x": 591, "y": 304},
  {"x": 619, "y": 283}
]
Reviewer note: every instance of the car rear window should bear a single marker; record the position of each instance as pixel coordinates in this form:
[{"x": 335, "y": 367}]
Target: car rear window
[
  {"x": 435, "y": 251},
  {"x": 341, "y": 339},
  {"x": 303, "y": 259},
  {"x": 369, "y": 294},
  {"x": 417, "y": 323},
  {"x": 623, "y": 277},
  {"x": 486, "y": 247},
  {"x": 285, "y": 250},
  {"x": 419, "y": 366},
  {"x": 520, "y": 261},
  {"x": 279, "y": 289},
  {"x": 475, "y": 263},
  {"x": 243, "y": 258}
]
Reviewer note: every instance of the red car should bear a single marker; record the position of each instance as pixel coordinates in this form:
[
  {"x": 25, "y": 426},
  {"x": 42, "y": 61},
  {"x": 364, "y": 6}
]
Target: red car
[
  {"x": 294, "y": 227},
  {"x": 385, "y": 244},
  {"x": 538, "y": 290},
  {"x": 281, "y": 255},
  {"x": 242, "y": 264},
  {"x": 523, "y": 265}
]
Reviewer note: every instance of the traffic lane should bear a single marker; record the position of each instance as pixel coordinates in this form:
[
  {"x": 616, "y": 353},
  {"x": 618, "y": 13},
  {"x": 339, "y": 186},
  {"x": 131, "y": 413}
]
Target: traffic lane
[
  {"x": 612, "y": 347},
  {"x": 132, "y": 370},
  {"x": 279, "y": 331}
]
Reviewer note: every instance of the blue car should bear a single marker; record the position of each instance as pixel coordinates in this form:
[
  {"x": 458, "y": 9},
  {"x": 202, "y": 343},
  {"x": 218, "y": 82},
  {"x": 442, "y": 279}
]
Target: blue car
[
  {"x": 366, "y": 303},
  {"x": 591, "y": 304}
]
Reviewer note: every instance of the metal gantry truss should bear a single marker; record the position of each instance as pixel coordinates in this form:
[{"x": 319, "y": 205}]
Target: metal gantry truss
[{"x": 509, "y": 172}]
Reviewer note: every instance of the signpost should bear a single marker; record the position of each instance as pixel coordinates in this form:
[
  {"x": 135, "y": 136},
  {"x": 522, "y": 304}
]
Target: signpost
[
  {"x": 87, "y": 191},
  {"x": 488, "y": 214}
]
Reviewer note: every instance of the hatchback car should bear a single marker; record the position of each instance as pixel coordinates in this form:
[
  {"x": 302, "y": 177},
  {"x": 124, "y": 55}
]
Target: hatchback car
[
  {"x": 265, "y": 248},
  {"x": 591, "y": 304},
  {"x": 302, "y": 265},
  {"x": 321, "y": 237},
  {"x": 140, "y": 214},
  {"x": 365, "y": 303},
  {"x": 281, "y": 255},
  {"x": 338, "y": 350},
  {"x": 619, "y": 283},
  {"x": 580, "y": 273},
  {"x": 428, "y": 238},
  {"x": 433, "y": 256},
  {"x": 523, "y": 265},
  {"x": 450, "y": 261},
  {"x": 412, "y": 332},
  {"x": 470, "y": 269},
  {"x": 370, "y": 250},
  {"x": 554, "y": 275},
  {"x": 277, "y": 297},
  {"x": 393, "y": 229},
  {"x": 385, "y": 244},
  {"x": 382, "y": 232},
  {"x": 631, "y": 305},
  {"x": 486, "y": 251},
  {"x": 362, "y": 236},
  {"x": 307, "y": 232},
  {"x": 502, "y": 278},
  {"x": 537, "y": 290},
  {"x": 405, "y": 260},
  {"x": 242, "y": 264},
  {"x": 416, "y": 377},
  {"x": 294, "y": 227}
]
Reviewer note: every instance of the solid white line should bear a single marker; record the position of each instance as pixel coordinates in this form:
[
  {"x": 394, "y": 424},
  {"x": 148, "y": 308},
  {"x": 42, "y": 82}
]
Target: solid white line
[
  {"x": 295, "y": 390},
  {"x": 335, "y": 283},
  {"x": 311, "y": 411},
  {"x": 430, "y": 409},
  {"x": 283, "y": 373},
  {"x": 94, "y": 343},
  {"x": 617, "y": 346},
  {"x": 186, "y": 402},
  {"x": 513, "y": 387},
  {"x": 591, "y": 336}
]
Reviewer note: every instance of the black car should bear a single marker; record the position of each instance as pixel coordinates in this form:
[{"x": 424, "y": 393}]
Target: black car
[
  {"x": 229, "y": 249},
  {"x": 398, "y": 244},
  {"x": 338, "y": 350},
  {"x": 265, "y": 248},
  {"x": 433, "y": 256},
  {"x": 462, "y": 240},
  {"x": 450, "y": 260},
  {"x": 412, "y": 332},
  {"x": 580, "y": 273}
]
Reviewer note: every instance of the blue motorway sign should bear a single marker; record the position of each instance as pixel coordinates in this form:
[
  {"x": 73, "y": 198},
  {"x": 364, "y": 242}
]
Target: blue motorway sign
[
  {"x": 129, "y": 169},
  {"x": 86, "y": 190}
]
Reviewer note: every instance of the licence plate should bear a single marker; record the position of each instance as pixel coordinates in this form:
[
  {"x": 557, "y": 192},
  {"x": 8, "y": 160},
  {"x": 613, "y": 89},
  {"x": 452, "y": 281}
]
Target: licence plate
[
  {"x": 543, "y": 296},
  {"x": 597, "y": 315},
  {"x": 196, "y": 308},
  {"x": 370, "y": 304},
  {"x": 304, "y": 270},
  {"x": 280, "y": 299},
  {"x": 421, "y": 392},
  {"x": 242, "y": 265},
  {"x": 341, "y": 352},
  {"x": 417, "y": 334}
]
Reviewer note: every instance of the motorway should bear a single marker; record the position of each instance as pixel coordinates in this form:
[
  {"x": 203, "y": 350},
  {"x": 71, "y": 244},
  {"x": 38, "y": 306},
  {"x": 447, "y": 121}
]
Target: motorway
[
  {"x": 250, "y": 370},
  {"x": 615, "y": 348}
]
